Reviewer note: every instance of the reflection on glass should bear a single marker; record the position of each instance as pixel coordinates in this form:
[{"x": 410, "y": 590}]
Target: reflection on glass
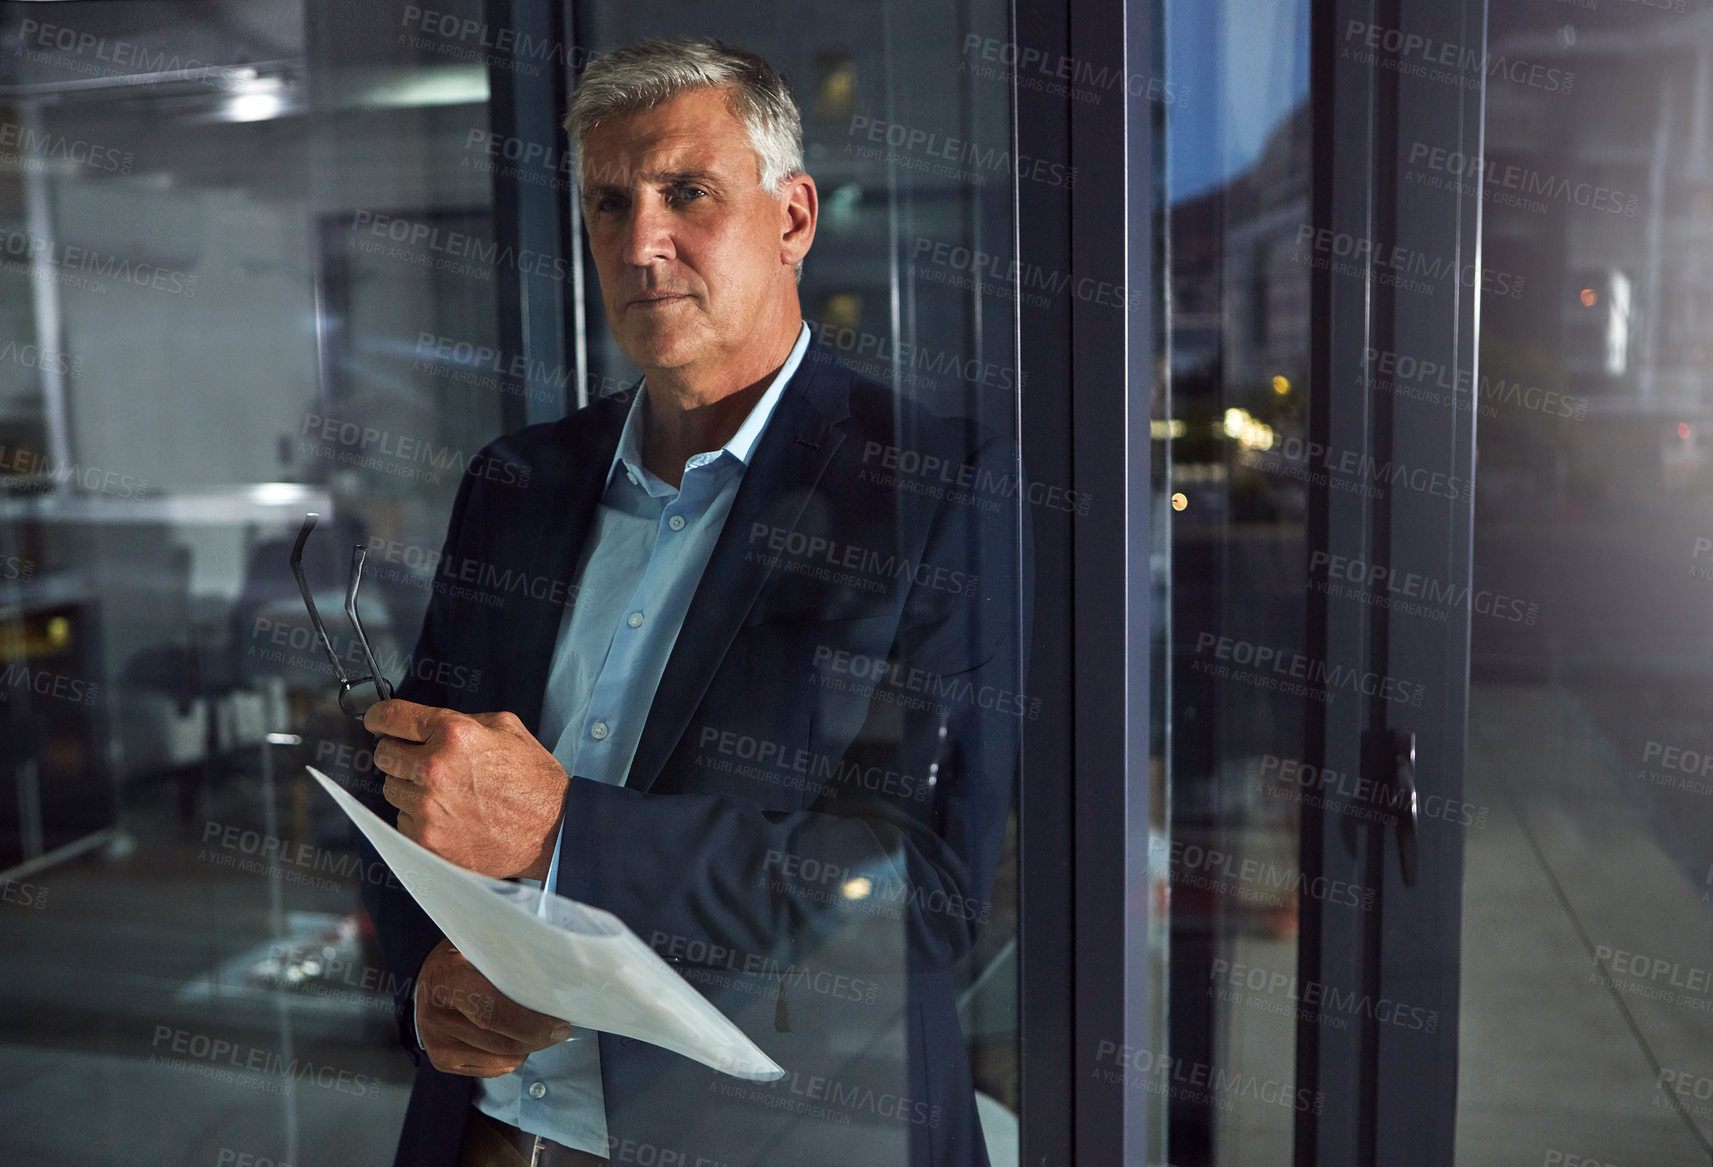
[
  {"x": 1586, "y": 940},
  {"x": 190, "y": 359},
  {"x": 1238, "y": 185},
  {"x": 254, "y": 262}
]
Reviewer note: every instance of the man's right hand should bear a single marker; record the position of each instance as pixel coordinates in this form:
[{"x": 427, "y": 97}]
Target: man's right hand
[{"x": 468, "y": 1027}]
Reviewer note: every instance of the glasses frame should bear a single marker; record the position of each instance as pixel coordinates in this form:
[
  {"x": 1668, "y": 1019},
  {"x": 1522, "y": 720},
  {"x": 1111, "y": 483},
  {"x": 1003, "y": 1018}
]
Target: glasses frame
[{"x": 347, "y": 682}]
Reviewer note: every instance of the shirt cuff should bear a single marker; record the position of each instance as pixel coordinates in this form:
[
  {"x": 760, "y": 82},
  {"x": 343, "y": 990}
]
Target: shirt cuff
[{"x": 414, "y": 1027}]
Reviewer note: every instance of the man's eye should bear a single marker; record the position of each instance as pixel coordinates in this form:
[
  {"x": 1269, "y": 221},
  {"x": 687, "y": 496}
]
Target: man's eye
[{"x": 687, "y": 194}]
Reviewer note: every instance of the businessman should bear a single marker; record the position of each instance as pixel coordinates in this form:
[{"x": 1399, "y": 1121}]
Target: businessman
[{"x": 769, "y": 713}]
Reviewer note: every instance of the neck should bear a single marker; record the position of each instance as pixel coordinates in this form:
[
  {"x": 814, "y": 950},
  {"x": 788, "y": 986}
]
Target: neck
[{"x": 687, "y": 415}]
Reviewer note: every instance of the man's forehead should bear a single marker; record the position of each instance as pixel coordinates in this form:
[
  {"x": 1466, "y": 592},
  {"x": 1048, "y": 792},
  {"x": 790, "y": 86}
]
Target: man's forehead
[{"x": 693, "y": 131}]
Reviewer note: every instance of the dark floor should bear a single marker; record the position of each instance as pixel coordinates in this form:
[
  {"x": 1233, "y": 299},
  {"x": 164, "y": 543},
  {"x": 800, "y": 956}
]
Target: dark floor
[{"x": 144, "y": 1024}]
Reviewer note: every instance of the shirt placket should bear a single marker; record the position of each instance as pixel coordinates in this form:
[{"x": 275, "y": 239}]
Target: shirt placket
[{"x": 679, "y": 521}]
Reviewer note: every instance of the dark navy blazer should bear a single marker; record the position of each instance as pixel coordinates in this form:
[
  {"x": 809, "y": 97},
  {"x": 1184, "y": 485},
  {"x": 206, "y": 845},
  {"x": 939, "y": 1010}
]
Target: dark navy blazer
[{"x": 817, "y": 804}]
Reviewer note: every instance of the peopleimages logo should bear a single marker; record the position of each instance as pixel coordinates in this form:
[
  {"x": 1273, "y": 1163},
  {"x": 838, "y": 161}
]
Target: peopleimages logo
[
  {"x": 1414, "y": 55},
  {"x": 31, "y": 148},
  {"x": 227, "y": 1061},
  {"x": 86, "y": 267},
  {"x": 371, "y": 448},
  {"x": 40, "y": 41},
  {"x": 1403, "y": 267},
  {"x": 47, "y": 360},
  {"x": 93, "y": 479},
  {"x": 1296, "y": 674},
  {"x": 1355, "y": 472},
  {"x": 1404, "y": 375},
  {"x": 1225, "y": 976},
  {"x": 726, "y": 751},
  {"x": 1522, "y": 186},
  {"x": 863, "y": 567},
  {"x": 1158, "y": 1073},
  {"x": 965, "y": 160},
  {"x": 447, "y": 250},
  {"x": 1055, "y": 73},
  {"x": 1384, "y": 586}
]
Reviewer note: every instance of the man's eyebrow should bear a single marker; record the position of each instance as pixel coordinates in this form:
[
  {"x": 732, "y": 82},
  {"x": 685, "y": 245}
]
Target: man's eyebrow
[
  {"x": 692, "y": 175},
  {"x": 708, "y": 177}
]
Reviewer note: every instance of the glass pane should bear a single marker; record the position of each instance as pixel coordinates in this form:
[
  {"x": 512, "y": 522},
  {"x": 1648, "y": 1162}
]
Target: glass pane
[
  {"x": 217, "y": 313},
  {"x": 250, "y": 268},
  {"x": 1238, "y": 186},
  {"x": 1586, "y": 948},
  {"x": 910, "y": 284}
]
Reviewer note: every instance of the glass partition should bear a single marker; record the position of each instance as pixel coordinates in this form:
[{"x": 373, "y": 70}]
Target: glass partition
[
  {"x": 1236, "y": 498},
  {"x": 1586, "y": 941},
  {"x": 253, "y": 266},
  {"x": 229, "y": 295},
  {"x": 911, "y": 284}
]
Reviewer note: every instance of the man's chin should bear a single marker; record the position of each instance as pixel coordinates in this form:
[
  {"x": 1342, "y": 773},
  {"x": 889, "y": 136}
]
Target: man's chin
[{"x": 656, "y": 348}]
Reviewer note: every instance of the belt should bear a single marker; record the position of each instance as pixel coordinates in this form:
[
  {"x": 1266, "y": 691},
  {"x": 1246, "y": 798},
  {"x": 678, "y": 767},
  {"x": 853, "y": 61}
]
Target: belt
[{"x": 534, "y": 1149}]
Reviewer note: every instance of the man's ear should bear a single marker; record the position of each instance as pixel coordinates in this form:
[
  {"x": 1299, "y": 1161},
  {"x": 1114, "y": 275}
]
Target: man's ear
[{"x": 800, "y": 207}]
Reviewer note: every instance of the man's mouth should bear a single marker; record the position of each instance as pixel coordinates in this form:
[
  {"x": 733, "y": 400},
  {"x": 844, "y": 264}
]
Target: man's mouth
[{"x": 658, "y": 299}]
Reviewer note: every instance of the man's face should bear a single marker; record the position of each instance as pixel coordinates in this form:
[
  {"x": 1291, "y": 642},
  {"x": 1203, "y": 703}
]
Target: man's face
[{"x": 695, "y": 259}]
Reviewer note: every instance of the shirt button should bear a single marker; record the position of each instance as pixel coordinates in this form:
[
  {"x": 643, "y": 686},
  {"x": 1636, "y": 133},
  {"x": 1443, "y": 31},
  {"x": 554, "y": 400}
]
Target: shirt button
[
  {"x": 537, "y": 1090},
  {"x": 635, "y": 620},
  {"x": 634, "y": 480},
  {"x": 598, "y": 731},
  {"x": 676, "y": 522}
]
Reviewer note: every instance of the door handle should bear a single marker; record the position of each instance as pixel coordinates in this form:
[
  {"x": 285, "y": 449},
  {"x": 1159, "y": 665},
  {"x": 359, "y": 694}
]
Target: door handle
[
  {"x": 1405, "y": 803},
  {"x": 1391, "y": 755}
]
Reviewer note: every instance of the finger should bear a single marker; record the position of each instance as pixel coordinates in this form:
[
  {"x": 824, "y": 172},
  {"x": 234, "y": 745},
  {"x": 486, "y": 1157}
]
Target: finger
[
  {"x": 402, "y": 759},
  {"x": 407, "y": 796},
  {"x": 476, "y": 998},
  {"x": 401, "y": 719},
  {"x": 508, "y": 1018},
  {"x": 456, "y": 1057},
  {"x": 447, "y": 1024}
]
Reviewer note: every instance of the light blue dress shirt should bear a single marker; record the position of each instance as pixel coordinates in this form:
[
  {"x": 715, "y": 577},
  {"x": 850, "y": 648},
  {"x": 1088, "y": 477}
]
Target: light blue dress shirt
[{"x": 640, "y": 567}]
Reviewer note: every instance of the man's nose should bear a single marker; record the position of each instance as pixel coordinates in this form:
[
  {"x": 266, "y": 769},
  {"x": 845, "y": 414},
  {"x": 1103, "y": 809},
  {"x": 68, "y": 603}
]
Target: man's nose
[{"x": 648, "y": 234}]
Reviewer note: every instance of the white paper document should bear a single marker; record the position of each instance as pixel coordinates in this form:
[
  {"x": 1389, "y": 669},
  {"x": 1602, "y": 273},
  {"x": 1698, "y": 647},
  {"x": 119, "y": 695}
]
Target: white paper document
[{"x": 561, "y": 957}]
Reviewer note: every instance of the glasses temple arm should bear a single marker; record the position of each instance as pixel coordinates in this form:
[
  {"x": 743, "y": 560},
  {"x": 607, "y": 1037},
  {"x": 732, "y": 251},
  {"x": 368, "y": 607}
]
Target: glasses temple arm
[
  {"x": 309, "y": 599},
  {"x": 382, "y": 685}
]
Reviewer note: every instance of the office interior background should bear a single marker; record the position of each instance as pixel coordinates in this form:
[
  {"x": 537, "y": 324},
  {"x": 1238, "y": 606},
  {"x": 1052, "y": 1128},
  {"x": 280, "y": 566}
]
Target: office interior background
[{"x": 264, "y": 257}]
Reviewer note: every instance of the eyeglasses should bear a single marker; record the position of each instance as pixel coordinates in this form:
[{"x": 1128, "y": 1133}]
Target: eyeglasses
[{"x": 383, "y": 687}]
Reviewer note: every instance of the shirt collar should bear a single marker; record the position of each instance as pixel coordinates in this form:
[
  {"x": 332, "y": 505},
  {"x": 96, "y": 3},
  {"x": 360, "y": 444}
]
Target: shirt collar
[{"x": 628, "y": 457}]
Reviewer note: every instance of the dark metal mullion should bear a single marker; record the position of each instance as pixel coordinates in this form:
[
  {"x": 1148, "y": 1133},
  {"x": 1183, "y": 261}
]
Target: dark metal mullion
[
  {"x": 527, "y": 94},
  {"x": 1088, "y": 852},
  {"x": 1334, "y": 941},
  {"x": 1382, "y": 332},
  {"x": 1323, "y": 55},
  {"x": 1421, "y": 929},
  {"x": 1112, "y": 386},
  {"x": 1049, "y": 1068}
]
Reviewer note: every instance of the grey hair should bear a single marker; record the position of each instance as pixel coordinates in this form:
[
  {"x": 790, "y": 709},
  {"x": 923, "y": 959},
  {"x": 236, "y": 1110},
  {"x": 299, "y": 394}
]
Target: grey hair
[{"x": 649, "y": 73}]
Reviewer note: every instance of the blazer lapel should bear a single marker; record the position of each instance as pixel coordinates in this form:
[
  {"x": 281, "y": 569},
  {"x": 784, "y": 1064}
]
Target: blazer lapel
[{"x": 787, "y": 463}]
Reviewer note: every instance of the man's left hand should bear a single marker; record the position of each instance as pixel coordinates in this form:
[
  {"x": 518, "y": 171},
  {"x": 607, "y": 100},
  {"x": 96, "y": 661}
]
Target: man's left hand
[{"x": 477, "y": 790}]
